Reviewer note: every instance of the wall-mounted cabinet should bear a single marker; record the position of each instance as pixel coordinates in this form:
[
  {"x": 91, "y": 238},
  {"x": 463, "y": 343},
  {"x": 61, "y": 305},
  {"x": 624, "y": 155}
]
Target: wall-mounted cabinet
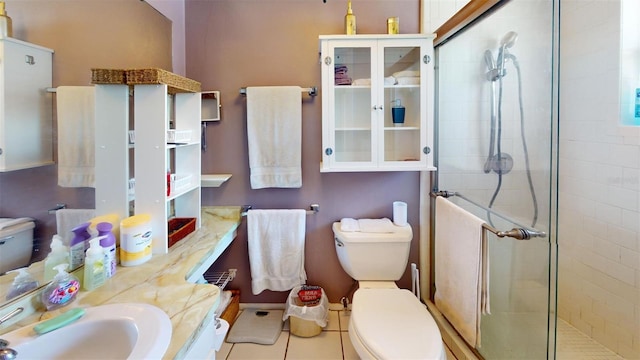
[
  {"x": 211, "y": 106},
  {"x": 26, "y": 134},
  {"x": 377, "y": 106}
]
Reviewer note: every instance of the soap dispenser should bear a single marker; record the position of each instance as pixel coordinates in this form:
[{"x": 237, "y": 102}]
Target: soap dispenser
[
  {"x": 94, "y": 269},
  {"x": 108, "y": 243},
  {"x": 22, "y": 283},
  {"x": 78, "y": 244},
  {"x": 349, "y": 21},
  {"x": 62, "y": 290},
  {"x": 59, "y": 255}
]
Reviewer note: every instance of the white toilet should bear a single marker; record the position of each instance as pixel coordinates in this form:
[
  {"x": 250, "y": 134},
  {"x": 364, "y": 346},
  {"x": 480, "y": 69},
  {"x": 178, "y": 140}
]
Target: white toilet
[{"x": 386, "y": 322}]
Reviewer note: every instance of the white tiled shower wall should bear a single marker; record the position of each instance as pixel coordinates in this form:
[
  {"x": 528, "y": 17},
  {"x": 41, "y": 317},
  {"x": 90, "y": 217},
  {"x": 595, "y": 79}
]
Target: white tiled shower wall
[{"x": 599, "y": 245}]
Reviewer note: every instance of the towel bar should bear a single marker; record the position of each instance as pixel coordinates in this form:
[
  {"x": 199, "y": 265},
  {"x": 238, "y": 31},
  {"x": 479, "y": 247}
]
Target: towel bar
[
  {"x": 519, "y": 233},
  {"x": 313, "y": 209},
  {"x": 312, "y": 91}
]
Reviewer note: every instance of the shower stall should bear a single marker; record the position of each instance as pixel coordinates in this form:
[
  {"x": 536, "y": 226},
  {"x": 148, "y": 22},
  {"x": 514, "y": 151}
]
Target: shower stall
[{"x": 529, "y": 136}]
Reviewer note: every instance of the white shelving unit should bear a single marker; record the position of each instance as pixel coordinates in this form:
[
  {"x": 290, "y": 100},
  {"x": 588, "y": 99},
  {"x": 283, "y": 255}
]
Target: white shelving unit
[
  {"x": 155, "y": 113},
  {"x": 358, "y": 131},
  {"x": 26, "y": 127},
  {"x": 157, "y": 109}
]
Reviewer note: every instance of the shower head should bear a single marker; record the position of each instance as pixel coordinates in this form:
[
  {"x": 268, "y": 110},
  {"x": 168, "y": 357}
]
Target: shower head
[
  {"x": 488, "y": 59},
  {"x": 509, "y": 39}
]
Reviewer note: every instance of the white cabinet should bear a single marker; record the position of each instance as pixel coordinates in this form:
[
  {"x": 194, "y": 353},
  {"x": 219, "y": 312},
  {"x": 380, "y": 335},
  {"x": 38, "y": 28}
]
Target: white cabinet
[
  {"x": 166, "y": 128},
  {"x": 363, "y": 78},
  {"x": 26, "y": 135}
]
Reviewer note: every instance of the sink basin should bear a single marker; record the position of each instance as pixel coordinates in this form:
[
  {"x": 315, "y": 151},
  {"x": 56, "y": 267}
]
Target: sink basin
[{"x": 114, "y": 331}]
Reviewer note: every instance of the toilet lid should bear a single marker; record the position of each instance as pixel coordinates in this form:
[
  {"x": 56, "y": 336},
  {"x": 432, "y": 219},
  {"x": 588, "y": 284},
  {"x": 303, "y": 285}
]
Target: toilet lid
[{"x": 394, "y": 324}]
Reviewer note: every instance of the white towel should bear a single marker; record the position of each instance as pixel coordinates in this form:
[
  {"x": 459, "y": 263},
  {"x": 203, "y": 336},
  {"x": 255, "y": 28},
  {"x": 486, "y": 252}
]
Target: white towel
[
  {"x": 460, "y": 247},
  {"x": 349, "y": 225},
  {"x": 276, "y": 249},
  {"x": 67, "y": 219},
  {"x": 76, "y": 136},
  {"x": 383, "y": 225},
  {"x": 274, "y": 132}
]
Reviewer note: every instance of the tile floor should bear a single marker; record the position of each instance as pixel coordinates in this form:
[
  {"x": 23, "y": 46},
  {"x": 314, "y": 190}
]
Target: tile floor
[{"x": 332, "y": 343}]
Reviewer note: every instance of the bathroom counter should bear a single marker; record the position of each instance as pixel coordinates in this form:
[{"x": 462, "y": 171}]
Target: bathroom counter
[{"x": 162, "y": 281}]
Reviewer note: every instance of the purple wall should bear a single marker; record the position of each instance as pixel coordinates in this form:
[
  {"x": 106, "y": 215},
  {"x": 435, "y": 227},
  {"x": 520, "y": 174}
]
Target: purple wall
[{"x": 232, "y": 44}]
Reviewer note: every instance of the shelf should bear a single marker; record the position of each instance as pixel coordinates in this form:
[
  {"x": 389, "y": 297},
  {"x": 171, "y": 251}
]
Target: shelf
[
  {"x": 220, "y": 279},
  {"x": 214, "y": 180}
]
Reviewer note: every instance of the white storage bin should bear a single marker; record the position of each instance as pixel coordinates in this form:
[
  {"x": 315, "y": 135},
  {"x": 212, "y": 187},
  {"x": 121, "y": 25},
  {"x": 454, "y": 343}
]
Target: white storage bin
[{"x": 178, "y": 136}]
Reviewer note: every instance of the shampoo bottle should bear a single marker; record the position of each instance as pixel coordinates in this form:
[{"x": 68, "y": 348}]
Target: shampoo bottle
[
  {"x": 349, "y": 21},
  {"x": 78, "y": 245},
  {"x": 22, "y": 283},
  {"x": 108, "y": 243},
  {"x": 94, "y": 269},
  {"x": 59, "y": 255},
  {"x": 637, "y": 104},
  {"x": 62, "y": 289}
]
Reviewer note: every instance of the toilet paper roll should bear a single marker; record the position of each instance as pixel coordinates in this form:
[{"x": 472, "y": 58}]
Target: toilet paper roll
[{"x": 400, "y": 213}]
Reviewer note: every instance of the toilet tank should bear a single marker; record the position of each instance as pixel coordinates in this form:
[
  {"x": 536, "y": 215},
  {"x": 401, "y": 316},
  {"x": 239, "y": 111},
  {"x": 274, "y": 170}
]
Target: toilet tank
[
  {"x": 16, "y": 243},
  {"x": 373, "y": 256}
]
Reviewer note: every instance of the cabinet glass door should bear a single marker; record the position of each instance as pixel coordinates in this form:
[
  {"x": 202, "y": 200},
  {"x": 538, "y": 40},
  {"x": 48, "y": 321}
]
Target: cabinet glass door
[
  {"x": 402, "y": 103},
  {"x": 352, "y": 107}
]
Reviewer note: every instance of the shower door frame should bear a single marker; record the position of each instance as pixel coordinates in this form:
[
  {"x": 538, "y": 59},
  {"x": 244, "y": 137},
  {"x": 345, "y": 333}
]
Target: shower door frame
[{"x": 473, "y": 12}]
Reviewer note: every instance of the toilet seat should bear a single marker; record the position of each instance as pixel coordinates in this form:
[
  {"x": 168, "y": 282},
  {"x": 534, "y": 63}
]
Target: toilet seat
[{"x": 393, "y": 324}]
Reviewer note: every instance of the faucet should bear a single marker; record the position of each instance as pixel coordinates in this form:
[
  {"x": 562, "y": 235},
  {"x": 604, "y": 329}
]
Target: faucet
[{"x": 6, "y": 353}]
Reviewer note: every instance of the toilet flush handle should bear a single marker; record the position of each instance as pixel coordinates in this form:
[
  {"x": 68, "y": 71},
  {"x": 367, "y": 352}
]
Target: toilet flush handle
[{"x": 339, "y": 243}]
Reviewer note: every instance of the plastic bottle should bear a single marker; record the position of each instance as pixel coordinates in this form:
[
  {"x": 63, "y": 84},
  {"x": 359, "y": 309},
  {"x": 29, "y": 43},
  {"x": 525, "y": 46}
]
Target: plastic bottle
[
  {"x": 78, "y": 244},
  {"x": 108, "y": 243},
  {"x": 22, "y": 283},
  {"x": 349, "y": 21},
  {"x": 637, "y": 108},
  {"x": 94, "y": 269},
  {"x": 135, "y": 240},
  {"x": 6, "y": 26},
  {"x": 62, "y": 290},
  {"x": 59, "y": 255}
]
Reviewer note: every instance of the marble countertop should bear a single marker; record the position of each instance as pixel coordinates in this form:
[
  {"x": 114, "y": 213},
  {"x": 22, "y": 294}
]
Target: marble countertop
[{"x": 162, "y": 281}]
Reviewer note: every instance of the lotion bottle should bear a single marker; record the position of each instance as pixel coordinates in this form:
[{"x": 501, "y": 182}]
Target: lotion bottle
[
  {"x": 349, "y": 21},
  {"x": 62, "y": 290},
  {"x": 108, "y": 244},
  {"x": 94, "y": 269},
  {"x": 78, "y": 244}
]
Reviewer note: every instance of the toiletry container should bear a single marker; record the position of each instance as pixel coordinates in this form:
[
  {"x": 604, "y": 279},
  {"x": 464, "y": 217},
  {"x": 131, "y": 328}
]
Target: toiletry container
[
  {"x": 108, "y": 244},
  {"x": 6, "y": 26},
  {"x": 94, "y": 267},
  {"x": 62, "y": 290},
  {"x": 349, "y": 21},
  {"x": 113, "y": 219},
  {"x": 637, "y": 104},
  {"x": 22, "y": 283},
  {"x": 16, "y": 236},
  {"x": 59, "y": 255},
  {"x": 135, "y": 240},
  {"x": 78, "y": 244}
]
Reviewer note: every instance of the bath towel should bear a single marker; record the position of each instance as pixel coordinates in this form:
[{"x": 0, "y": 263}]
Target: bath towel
[
  {"x": 274, "y": 132},
  {"x": 276, "y": 249},
  {"x": 460, "y": 263},
  {"x": 76, "y": 136},
  {"x": 383, "y": 225}
]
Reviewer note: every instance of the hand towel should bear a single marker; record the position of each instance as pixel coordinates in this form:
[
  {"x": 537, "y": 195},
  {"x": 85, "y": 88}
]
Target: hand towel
[
  {"x": 76, "y": 136},
  {"x": 276, "y": 249},
  {"x": 67, "y": 219},
  {"x": 274, "y": 132},
  {"x": 349, "y": 225},
  {"x": 460, "y": 288},
  {"x": 383, "y": 225}
]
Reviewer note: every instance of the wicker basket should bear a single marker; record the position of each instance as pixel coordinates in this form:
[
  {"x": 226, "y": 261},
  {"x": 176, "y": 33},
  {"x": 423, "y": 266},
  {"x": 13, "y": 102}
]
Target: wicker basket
[
  {"x": 176, "y": 83},
  {"x": 108, "y": 76}
]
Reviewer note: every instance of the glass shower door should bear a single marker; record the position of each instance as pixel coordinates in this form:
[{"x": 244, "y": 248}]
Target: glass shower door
[{"x": 495, "y": 134}]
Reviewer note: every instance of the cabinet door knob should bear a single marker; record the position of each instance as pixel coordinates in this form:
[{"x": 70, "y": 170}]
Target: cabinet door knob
[
  {"x": 328, "y": 151},
  {"x": 426, "y": 150},
  {"x": 426, "y": 59},
  {"x": 327, "y": 60},
  {"x": 29, "y": 59},
  {"x": 376, "y": 107}
]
